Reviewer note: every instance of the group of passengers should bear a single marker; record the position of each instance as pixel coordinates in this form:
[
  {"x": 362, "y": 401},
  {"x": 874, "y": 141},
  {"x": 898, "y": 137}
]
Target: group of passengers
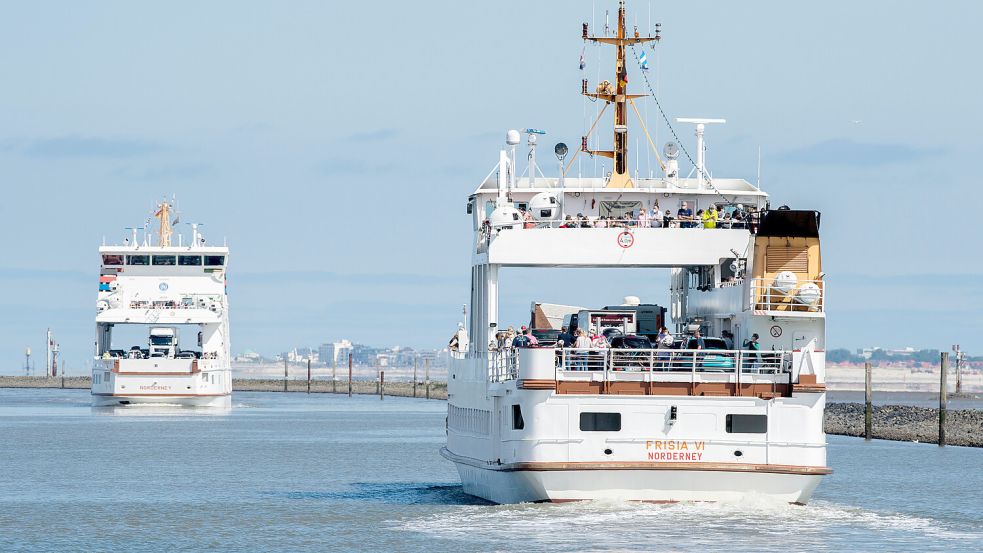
[{"x": 714, "y": 216}]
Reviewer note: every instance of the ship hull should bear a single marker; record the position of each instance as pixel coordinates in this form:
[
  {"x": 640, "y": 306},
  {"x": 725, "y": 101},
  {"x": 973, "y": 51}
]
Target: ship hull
[
  {"x": 221, "y": 401},
  {"x": 658, "y": 484}
]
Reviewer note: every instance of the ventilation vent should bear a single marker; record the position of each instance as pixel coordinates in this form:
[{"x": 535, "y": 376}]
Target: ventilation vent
[{"x": 787, "y": 259}]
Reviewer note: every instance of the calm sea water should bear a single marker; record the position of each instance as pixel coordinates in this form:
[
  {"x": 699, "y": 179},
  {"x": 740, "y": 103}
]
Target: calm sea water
[{"x": 314, "y": 473}]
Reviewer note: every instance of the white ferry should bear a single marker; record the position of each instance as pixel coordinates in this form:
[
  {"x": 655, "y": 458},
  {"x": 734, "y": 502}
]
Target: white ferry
[
  {"x": 715, "y": 416},
  {"x": 162, "y": 322}
]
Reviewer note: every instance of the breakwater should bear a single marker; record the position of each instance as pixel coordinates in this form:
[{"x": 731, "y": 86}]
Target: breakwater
[
  {"x": 890, "y": 422},
  {"x": 906, "y": 423},
  {"x": 438, "y": 390}
]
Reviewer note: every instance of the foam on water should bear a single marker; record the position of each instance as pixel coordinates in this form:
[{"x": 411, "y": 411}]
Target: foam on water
[{"x": 756, "y": 523}]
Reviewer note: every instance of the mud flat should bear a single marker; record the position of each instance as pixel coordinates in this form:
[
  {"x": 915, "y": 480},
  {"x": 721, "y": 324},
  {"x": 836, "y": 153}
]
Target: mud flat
[
  {"x": 438, "y": 390},
  {"x": 907, "y": 423}
]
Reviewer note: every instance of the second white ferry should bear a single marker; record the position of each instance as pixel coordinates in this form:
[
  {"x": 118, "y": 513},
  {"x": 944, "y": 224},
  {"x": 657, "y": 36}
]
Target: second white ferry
[
  {"x": 728, "y": 405},
  {"x": 162, "y": 321}
]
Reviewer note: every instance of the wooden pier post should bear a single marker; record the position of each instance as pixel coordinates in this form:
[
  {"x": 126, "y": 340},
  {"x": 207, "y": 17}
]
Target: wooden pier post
[
  {"x": 426, "y": 371},
  {"x": 943, "y": 397},
  {"x": 334, "y": 373},
  {"x": 382, "y": 384},
  {"x": 308, "y": 374},
  {"x": 349, "y": 375},
  {"x": 284, "y": 372},
  {"x": 416, "y": 361},
  {"x": 868, "y": 397}
]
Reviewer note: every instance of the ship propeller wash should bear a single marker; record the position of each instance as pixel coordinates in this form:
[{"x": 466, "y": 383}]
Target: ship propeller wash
[
  {"x": 726, "y": 403},
  {"x": 162, "y": 321}
]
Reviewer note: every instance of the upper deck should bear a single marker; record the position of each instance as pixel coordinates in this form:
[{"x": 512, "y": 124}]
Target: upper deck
[{"x": 579, "y": 222}]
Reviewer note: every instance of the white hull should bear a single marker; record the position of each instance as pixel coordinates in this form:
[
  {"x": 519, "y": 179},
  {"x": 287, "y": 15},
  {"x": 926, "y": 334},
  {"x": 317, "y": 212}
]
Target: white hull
[
  {"x": 660, "y": 486},
  {"x": 223, "y": 401}
]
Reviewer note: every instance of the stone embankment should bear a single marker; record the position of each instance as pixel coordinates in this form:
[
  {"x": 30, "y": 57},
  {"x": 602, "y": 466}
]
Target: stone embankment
[
  {"x": 890, "y": 422},
  {"x": 438, "y": 390},
  {"x": 906, "y": 423}
]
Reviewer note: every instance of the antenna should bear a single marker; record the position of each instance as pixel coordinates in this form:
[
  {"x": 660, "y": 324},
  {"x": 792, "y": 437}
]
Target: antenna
[
  {"x": 531, "y": 142},
  {"x": 616, "y": 94},
  {"x": 701, "y": 172},
  {"x": 759, "y": 168}
]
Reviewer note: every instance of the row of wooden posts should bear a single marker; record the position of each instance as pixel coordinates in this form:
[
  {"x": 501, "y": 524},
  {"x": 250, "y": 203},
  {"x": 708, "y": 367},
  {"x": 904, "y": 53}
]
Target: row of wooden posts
[
  {"x": 943, "y": 399},
  {"x": 380, "y": 383}
]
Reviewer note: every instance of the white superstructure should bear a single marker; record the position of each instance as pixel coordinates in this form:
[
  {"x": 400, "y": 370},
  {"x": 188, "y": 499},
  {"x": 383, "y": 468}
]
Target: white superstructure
[
  {"x": 162, "y": 322},
  {"x": 737, "y": 417}
]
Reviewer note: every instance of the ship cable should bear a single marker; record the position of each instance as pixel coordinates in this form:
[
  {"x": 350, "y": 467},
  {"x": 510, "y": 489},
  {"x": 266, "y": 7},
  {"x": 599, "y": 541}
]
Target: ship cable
[{"x": 673, "y": 131}]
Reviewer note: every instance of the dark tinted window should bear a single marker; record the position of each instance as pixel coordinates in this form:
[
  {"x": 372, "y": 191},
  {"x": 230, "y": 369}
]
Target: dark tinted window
[
  {"x": 214, "y": 260},
  {"x": 708, "y": 343},
  {"x": 112, "y": 259},
  {"x": 165, "y": 260},
  {"x": 600, "y": 422},
  {"x": 189, "y": 260},
  {"x": 138, "y": 260},
  {"x": 517, "y": 422},
  {"x": 747, "y": 424},
  {"x": 631, "y": 342}
]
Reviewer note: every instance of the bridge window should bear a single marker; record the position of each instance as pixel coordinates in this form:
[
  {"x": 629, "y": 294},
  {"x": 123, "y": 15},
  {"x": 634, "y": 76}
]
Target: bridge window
[
  {"x": 214, "y": 260},
  {"x": 138, "y": 260},
  {"x": 747, "y": 424},
  {"x": 112, "y": 259},
  {"x": 517, "y": 422},
  {"x": 189, "y": 260},
  {"x": 600, "y": 422},
  {"x": 165, "y": 260}
]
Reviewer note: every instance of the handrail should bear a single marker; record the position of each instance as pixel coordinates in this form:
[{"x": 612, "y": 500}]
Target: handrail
[
  {"x": 801, "y": 296},
  {"x": 691, "y": 361}
]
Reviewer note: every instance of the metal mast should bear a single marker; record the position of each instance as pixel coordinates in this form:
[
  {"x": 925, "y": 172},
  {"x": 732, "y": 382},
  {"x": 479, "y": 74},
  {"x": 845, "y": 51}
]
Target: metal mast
[
  {"x": 617, "y": 95},
  {"x": 164, "y": 215}
]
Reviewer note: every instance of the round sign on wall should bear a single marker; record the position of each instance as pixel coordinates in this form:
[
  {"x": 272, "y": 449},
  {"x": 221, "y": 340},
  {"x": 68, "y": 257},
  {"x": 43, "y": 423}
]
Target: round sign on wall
[
  {"x": 163, "y": 286},
  {"x": 776, "y": 331},
  {"x": 626, "y": 239}
]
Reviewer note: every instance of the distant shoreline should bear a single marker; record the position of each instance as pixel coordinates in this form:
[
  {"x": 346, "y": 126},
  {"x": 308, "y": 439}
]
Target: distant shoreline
[{"x": 891, "y": 422}]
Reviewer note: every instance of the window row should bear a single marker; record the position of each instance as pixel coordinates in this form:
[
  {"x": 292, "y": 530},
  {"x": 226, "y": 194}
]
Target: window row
[
  {"x": 182, "y": 260},
  {"x": 475, "y": 421},
  {"x": 611, "y": 422}
]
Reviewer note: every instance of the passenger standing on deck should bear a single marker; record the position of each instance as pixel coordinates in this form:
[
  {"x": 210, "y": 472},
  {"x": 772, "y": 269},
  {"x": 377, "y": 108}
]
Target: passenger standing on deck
[
  {"x": 583, "y": 344},
  {"x": 565, "y": 338},
  {"x": 643, "y": 218},
  {"x": 710, "y": 217},
  {"x": 754, "y": 346},
  {"x": 685, "y": 215},
  {"x": 527, "y": 332},
  {"x": 697, "y": 341},
  {"x": 655, "y": 216},
  {"x": 698, "y": 219}
]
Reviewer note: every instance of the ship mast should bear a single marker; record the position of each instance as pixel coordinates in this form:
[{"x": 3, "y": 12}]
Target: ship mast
[
  {"x": 617, "y": 95},
  {"x": 164, "y": 215}
]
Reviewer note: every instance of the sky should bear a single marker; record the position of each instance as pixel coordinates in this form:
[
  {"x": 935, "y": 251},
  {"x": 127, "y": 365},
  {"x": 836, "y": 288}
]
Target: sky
[{"x": 334, "y": 149}]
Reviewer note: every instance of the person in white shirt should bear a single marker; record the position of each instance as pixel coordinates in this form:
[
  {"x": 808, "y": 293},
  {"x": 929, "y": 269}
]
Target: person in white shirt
[
  {"x": 582, "y": 343},
  {"x": 655, "y": 216}
]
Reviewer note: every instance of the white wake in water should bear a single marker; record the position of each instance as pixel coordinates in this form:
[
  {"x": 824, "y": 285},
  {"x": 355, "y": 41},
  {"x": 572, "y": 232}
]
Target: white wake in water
[{"x": 753, "y": 524}]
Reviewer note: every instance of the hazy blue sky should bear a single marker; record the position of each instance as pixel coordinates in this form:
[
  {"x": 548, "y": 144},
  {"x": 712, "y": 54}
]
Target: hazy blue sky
[{"x": 336, "y": 149}]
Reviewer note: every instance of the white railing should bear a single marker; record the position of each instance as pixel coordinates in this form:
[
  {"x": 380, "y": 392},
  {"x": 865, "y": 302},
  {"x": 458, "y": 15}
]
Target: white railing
[
  {"x": 674, "y": 360},
  {"x": 192, "y": 301},
  {"x": 503, "y": 365},
  {"x": 802, "y": 296}
]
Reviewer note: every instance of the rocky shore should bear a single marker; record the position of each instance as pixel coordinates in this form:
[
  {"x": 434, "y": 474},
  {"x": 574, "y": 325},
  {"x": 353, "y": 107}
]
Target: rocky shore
[{"x": 906, "y": 423}]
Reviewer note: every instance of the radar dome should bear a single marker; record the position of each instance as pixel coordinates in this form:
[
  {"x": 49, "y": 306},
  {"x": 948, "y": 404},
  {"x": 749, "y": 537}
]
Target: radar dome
[
  {"x": 505, "y": 216},
  {"x": 545, "y": 207},
  {"x": 785, "y": 282},
  {"x": 512, "y": 137},
  {"x": 632, "y": 300}
]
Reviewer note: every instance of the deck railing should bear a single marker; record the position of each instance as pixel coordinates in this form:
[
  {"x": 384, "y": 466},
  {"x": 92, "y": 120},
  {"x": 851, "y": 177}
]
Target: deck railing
[
  {"x": 674, "y": 360},
  {"x": 802, "y": 296},
  {"x": 503, "y": 365}
]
